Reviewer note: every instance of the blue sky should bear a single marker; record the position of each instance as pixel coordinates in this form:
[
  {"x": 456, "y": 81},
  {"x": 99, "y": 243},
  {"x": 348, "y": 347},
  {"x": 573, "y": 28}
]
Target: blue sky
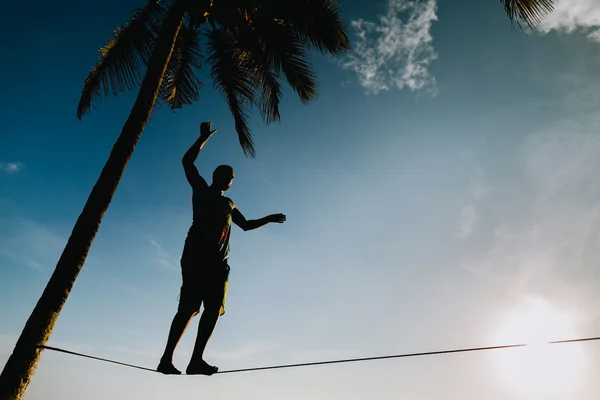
[{"x": 440, "y": 193}]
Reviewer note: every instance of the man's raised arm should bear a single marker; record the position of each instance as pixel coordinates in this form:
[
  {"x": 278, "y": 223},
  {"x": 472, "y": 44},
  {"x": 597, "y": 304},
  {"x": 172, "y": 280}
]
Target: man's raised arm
[
  {"x": 248, "y": 225},
  {"x": 191, "y": 172}
]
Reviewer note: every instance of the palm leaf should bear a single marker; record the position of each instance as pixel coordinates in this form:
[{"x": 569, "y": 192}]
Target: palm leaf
[
  {"x": 298, "y": 72},
  {"x": 289, "y": 55},
  {"x": 530, "y": 11},
  {"x": 181, "y": 84},
  {"x": 232, "y": 76},
  {"x": 320, "y": 22},
  {"x": 266, "y": 22},
  {"x": 123, "y": 59},
  {"x": 263, "y": 66},
  {"x": 197, "y": 11},
  {"x": 266, "y": 79},
  {"x": 317, "y": 23}
]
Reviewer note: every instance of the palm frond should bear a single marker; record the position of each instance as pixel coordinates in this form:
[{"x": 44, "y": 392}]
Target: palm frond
[
  {"x": 298, "y": 72},
  {"x": 255, "y": 55},
  {"x": 266, "y": 79},
  {"x": 271, "y": 95},
  {"x": 530, "y": 11},
  {"x": 232, "y": 76},
  {"x": 289, "y": 55},
  {"x": 123, "y": 59},
  {"x": 317, "y": 23},
  {"x": 181, "y": 84},
  {"x": 197, "y": 11}
]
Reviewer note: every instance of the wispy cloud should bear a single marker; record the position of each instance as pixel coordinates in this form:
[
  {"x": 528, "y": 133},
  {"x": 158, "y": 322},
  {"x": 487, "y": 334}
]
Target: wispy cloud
[
  {"x": 468, "y": 214},
  {"x": 72, "y": 346},
  {"x": 118, "y": 283},
  {"x": 574, "y": 15},
  {"x": 468, "y": 218},
  {"x": 136, "y": 352},
  {"x": 247, "y": 350},
  {"x": 310, "y": 355},
  {"x": 7, "y": 343},
  {"x": 28, "y": 242},
  {"x": 11, "y": 167},
  {"x": 395, "y": 51},
  {"x": 164, "y": 259},
  {"x": 545, "y": 233}
]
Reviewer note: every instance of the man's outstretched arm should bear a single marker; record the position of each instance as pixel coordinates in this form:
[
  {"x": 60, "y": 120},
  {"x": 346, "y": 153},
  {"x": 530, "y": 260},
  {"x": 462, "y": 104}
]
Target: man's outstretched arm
[
  {"x": 191, "y": 172},
  {"x": 248, "y": 225}
]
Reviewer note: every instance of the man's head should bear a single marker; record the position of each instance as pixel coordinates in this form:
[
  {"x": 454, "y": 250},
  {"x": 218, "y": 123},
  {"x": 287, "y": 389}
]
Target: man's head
[{"x": 222, "y": 177}]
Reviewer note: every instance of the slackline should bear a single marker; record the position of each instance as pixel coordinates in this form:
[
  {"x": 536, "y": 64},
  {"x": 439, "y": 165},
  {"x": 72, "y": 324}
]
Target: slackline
[{"x": 340, "y": 361}]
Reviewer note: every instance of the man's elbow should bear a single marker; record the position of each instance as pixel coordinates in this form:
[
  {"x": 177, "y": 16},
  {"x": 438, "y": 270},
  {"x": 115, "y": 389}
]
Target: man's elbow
[
  {"x": 186, "y": 161},
  {"x": 243, "y": 225},
  {"x": 247, "y": 226}
]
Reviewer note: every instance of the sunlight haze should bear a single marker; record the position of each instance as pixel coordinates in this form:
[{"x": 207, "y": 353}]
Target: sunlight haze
[{"x": 441, "y": 192}]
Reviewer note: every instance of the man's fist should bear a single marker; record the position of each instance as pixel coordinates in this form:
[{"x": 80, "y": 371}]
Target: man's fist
[
  {"x": 279, "y": 218},
  {"x": 205, "y": 131}
]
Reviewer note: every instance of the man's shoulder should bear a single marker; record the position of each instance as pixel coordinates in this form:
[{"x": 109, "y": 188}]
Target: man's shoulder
[
  {"x": 231, "y": 202},
  {"x": 198, "y": 190}
]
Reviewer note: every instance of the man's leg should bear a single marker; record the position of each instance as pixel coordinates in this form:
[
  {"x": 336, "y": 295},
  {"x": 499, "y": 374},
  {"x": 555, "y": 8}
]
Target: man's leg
[
  {"x": 206, "y": 327},
  {"x": 178, "y": 327},
  {"x": 214, "y": 303},
  {"x": 189, "y": 305}
]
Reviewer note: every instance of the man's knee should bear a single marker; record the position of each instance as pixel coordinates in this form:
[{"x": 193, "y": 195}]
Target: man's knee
[
  {"x": 212, "y": 310},
  {"x": 187, "y": 311}
]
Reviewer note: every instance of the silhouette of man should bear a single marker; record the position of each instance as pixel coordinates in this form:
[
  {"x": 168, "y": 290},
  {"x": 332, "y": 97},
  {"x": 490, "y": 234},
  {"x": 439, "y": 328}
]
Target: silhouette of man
[{"x": 204, "y": 262}]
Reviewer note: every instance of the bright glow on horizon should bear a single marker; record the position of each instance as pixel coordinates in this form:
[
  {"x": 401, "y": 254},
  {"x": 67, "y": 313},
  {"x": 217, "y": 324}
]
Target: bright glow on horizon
[{"x": 539, "y": 367}]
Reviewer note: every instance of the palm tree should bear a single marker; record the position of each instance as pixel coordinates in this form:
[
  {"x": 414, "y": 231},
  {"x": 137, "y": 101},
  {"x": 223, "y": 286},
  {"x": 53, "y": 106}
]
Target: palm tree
[
  {"x": 250, "y": 46},
  {"x": 529, "y": 11}
]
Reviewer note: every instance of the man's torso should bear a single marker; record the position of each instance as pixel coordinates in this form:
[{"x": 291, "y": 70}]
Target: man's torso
[{"x": 211, "y": 228}]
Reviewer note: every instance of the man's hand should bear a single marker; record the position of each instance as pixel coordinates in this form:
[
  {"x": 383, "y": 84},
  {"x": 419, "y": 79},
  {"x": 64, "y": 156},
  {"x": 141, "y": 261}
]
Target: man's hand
[
  {"x": 205, "y": 132},
  {"x": 279, "y": 218}
]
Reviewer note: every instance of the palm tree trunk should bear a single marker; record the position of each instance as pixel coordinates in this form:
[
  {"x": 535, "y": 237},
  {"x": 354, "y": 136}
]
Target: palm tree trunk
[{"x": 21, "y": 365}]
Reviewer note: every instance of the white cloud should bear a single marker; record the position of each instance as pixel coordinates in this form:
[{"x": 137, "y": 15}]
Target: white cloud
[
  {"x": 164, "y": 258},
  {"x": 11, "y": 167},
  {"x": 574, "y": 15},
  {"x": 396, "y": 51},
  {"x": 595, "y": 35}
]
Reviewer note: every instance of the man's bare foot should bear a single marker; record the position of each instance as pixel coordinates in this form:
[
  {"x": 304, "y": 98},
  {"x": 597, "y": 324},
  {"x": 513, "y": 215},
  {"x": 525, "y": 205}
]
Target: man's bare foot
[
  {"x": 201, "y": 368},
  {"x": 167, "y": 368}
]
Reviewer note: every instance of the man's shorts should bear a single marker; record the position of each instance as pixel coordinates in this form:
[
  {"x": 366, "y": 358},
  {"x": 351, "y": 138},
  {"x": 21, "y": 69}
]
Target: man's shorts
[{"x": 204, "y": 281}]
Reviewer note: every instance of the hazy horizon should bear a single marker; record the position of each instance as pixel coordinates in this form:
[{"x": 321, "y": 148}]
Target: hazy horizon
[{"x": 440, "y": 193}]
